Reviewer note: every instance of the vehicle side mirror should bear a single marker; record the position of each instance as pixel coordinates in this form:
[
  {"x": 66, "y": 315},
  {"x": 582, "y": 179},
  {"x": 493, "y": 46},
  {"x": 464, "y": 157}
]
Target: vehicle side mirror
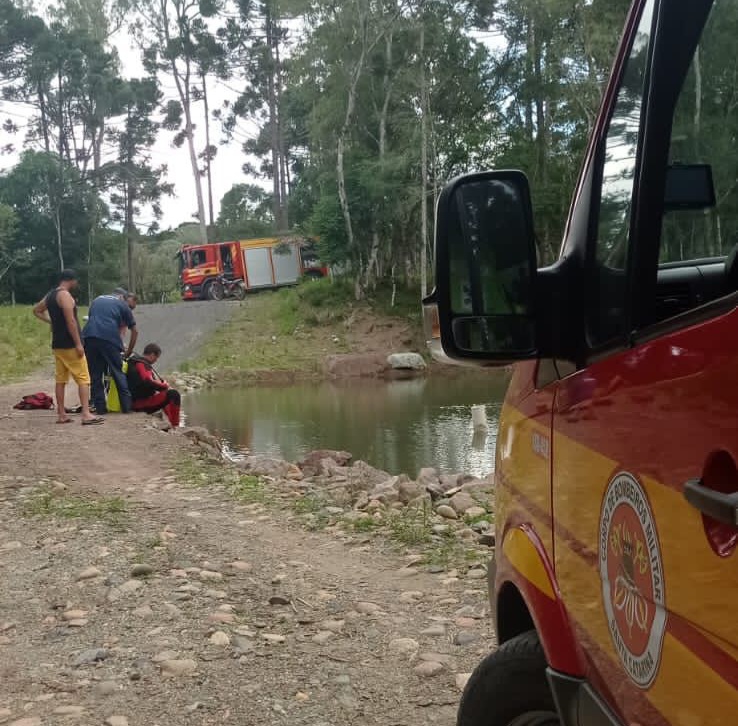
[{"x": 486, "y": 269}]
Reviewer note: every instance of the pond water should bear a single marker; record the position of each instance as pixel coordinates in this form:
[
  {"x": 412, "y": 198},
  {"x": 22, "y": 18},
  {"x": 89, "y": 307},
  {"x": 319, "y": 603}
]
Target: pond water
[{"x": 397, "y": 426}]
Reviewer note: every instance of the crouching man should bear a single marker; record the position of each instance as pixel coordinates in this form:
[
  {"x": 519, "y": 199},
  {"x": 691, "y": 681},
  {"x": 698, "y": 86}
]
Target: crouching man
[{"x": 149, "y": 391}]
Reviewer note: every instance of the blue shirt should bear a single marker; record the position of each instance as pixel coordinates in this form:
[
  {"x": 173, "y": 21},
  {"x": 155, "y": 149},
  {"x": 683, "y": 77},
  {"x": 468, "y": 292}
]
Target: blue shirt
[{"x": 108, "y": 314}]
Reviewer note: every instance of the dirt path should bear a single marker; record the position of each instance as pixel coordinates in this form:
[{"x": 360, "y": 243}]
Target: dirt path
[{"x": 362, "y": 638}]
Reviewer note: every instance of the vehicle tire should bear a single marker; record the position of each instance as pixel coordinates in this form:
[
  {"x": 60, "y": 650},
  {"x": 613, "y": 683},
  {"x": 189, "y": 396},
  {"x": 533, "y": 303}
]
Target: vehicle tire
[
  {"x": 205, "y": 291},
  {"x": 509, "y": 688},
  {"x": 239, "y": 291},
  {"x": 216, "y": 291}
]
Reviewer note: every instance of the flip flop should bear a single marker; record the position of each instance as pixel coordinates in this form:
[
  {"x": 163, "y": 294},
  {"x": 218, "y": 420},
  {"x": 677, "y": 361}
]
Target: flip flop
[
  {"x": 66, "y": 420},
  {"x": 93, "y": 421}
]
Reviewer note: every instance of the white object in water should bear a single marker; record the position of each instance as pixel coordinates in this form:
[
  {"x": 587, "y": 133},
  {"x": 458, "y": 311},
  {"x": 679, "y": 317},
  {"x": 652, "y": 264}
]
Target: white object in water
[{"x": 479, "y": 417}]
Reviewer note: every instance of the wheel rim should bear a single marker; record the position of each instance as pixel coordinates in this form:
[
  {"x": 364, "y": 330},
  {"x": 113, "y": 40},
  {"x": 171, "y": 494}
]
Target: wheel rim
[{"x": 536, "y": 718}]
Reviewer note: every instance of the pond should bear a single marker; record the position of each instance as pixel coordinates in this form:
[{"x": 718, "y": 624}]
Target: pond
[{"x": 397, "y": 426}]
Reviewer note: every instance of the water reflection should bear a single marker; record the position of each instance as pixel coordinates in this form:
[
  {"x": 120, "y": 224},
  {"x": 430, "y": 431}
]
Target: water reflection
[{"x": 399, "y": 426}]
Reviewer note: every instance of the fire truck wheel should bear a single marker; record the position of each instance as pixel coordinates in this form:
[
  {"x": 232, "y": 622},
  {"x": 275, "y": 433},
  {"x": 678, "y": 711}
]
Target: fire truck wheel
[
  {"x": 509, "y": 688},
  {"x": 239, "y": 292}
]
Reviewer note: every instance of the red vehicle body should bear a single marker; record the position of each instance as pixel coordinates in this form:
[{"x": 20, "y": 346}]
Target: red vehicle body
[
  {"x": 260, "y": 263},
  {"x": 615, "y": 580}
]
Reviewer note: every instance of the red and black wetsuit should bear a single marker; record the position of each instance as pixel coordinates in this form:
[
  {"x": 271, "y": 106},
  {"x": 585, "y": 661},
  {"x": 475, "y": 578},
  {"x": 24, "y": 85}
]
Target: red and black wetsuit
[{"x": 150, "y": 393}]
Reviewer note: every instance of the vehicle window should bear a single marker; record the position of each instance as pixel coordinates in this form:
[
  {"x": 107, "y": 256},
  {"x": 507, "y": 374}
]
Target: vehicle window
[
  {"x": 607, "y": 294},
  {"x": 704, "y": 131},
  {"x": 198, "y": 258}
]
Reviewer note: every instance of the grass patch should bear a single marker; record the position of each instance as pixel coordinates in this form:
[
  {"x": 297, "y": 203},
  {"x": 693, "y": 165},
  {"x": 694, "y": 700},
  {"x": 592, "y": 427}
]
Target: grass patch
[
  {"x": 411, "y": 525},
  {"x": 245, "y": 488},
  {"x": 25, "y": 342},
  {"x": 47, "y": 504},
  {"x": 365, "y": 524}
]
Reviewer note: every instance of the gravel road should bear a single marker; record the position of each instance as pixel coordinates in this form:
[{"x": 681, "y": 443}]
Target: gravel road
[{"x": 180, "y": 328}]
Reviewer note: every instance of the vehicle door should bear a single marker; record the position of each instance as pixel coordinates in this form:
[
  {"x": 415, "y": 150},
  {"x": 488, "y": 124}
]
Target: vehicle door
[{"x": 649, "y": 577}]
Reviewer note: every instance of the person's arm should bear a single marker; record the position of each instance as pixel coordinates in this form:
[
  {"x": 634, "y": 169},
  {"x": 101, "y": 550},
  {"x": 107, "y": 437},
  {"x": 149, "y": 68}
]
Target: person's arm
[
  {"x": 39, "y": 310},
  {"x": 148, "y": 376},
  {"x": 132, "y": 341},
  {"x": 66, "y": 303}
]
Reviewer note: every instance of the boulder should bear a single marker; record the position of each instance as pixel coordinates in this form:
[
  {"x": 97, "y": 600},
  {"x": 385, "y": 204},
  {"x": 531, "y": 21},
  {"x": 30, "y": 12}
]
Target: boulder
[
  {"x": 406, "y": 361},
  {"x": 461, "y": 502},
  {"x": 269, "y": 466},
  {"x": 312, "y": 464},
  {"x": 385, "y": 492},
  {"x": 409, "y": 490},
  {"x": 201, "y": 436},
  {"x": 361, "y": 477}
]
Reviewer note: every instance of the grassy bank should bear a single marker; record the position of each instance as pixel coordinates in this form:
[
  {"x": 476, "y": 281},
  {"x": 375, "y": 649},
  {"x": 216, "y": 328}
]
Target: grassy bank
[
  {"x": 24, "y": 342},
  {"x": 293, "y": 330}
]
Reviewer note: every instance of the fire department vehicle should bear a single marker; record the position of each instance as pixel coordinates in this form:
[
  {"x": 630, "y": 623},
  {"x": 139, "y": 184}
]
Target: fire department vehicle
[
  {"x": 615, "y": 579},
  {"x": 260, "y": 263}
]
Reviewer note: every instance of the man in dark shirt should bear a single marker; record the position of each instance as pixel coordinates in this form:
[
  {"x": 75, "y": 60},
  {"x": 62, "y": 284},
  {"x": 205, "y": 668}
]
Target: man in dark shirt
[
  {"x": 59, "y": 309},
  {"x": 109, "y": 315}
]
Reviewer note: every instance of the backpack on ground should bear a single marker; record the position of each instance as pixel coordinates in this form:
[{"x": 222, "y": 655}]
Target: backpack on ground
[{"x": 35, "y": 400}]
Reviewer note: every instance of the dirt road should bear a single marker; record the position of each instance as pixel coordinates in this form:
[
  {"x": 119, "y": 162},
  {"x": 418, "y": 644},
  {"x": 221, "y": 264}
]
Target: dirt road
[{"x": 129, "y": 597}]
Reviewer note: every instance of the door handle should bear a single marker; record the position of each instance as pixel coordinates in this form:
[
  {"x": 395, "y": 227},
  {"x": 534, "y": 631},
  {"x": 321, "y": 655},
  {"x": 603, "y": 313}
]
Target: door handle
[{"x": 719, "y": 506}]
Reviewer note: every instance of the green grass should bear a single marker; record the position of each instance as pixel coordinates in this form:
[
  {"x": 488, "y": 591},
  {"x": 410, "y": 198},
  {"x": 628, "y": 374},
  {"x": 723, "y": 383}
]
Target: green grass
[
  {"x": 48, "y": 504},
  {"x": 25, "y": 342},
  {"x": 294, "y": 329},
  {"x": 196, "y": 472},
  {"x": 411, "y": 525}
]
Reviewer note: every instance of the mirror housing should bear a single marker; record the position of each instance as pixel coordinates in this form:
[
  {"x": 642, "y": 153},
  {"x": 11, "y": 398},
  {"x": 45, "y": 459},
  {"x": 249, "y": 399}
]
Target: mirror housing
[{"x": 486, "y": 271}]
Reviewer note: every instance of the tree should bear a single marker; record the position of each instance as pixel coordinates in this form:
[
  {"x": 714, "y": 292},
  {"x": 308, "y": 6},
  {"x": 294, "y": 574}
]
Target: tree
[
  {"x": 245, "y": 211},
  {"x": 133, "y": 179},
  {"x": 172, "y": 33},
  {"x": 8, "y": 230}
]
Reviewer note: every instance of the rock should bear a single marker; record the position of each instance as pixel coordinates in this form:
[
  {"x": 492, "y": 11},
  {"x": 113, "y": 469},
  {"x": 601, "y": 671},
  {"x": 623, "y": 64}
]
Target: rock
[
  {"x": 487, "y": 538},
  {"x": 89, "y": 656},
  {"x": 220, "y": 638},
  {"x": 33, "y": 721},
  {"x": 411, "y": 596},
  {"x": 385, "y": 492},
  {"x": 447, "y": 512},
  {"x": 428, "y": 669},
  {"x": 461, "y": 502},
  {"x": 465, "y": 637},
  {"x": 241, "y": 566},
  {"x": 174, "y": 668},
  {"x": 333, "y": 626},
  {"x": 279, "y": 600},
  {"x": 475, "y": 512},
  {"x": 241, "y": 644},
  {"x": 224, "y": 618},
  {"x": 116, "y": 721},
  {"x": 440, "y": 529},
  {"x": 406, "y": 361},
  {"x": 199, "y": 435},
  {"x": 273, "y": 637},
  {"x": 408, "y": 491},
  {"x": 88, "y": 574},
  {"x": 477, "y": 487},
  {"x": 361, "y": 477},
  {"x": 261, "y": 465},
  {"x": 69, "y": 710},
  {"x": 435, "y": 630},
  {"x": 367, "y": 608},
  {"x": 427, "y": 477},
  {"x": 477, "y": 573},
  {"x": 311, "y": 464},
  {"x": 461, "y": 680},
  {"x": 105, "y": 688},
  {"x": 210, "y": 576},
  {"x": 323, "y": 637},
  {"x": 469, "y": 611},
  {"x": 74, "y": 614},
  {"x": 5, "y": 714},
  {"x": 165, "y": 655},
  {"x": 141, "y": 570},
  {"x": 172, "y": 610},
  {"x": 404, "y": 646},
  {"x": 144, "y": 611}
]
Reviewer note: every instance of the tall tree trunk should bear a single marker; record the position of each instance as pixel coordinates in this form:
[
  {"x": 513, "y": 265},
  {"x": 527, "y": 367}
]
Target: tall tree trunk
[
  {"x": 273, "y": 121},
  {"x": 423, "y": 169},
  {"x": 44, "y": 120},
  {"x": 283, "y": 186},
  {"x": 208, "y": 165},
  {"x": 130, "y": 239},
  {"x": 58, "y": 227}
]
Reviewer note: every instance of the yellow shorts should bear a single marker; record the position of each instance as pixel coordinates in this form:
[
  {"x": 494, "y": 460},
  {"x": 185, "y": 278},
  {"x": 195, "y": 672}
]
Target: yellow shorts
[{"x": 68, "y": 362}]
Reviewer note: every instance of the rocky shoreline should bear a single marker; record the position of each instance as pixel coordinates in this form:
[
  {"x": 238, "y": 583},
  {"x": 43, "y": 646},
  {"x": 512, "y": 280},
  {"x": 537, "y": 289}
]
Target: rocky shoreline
[{"x": 329, "y": 489}]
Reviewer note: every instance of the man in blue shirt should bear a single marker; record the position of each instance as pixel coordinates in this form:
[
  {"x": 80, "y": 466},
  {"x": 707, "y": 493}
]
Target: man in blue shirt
[{"x": 108, "y": 318}]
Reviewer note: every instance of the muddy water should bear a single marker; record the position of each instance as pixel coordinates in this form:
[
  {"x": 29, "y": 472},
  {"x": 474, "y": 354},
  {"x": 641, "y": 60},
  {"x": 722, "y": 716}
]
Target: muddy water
[{"x": 398, "y": 426}]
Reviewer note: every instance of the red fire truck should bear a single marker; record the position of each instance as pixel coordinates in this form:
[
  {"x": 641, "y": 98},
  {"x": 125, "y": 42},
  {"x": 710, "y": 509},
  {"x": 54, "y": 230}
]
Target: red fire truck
[{"x": 260, "y": 263}]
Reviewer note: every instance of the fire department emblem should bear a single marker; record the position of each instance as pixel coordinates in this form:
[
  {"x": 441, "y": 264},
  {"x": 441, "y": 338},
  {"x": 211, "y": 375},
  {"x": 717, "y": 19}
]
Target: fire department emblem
[{"x": 632, "y": 578}]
